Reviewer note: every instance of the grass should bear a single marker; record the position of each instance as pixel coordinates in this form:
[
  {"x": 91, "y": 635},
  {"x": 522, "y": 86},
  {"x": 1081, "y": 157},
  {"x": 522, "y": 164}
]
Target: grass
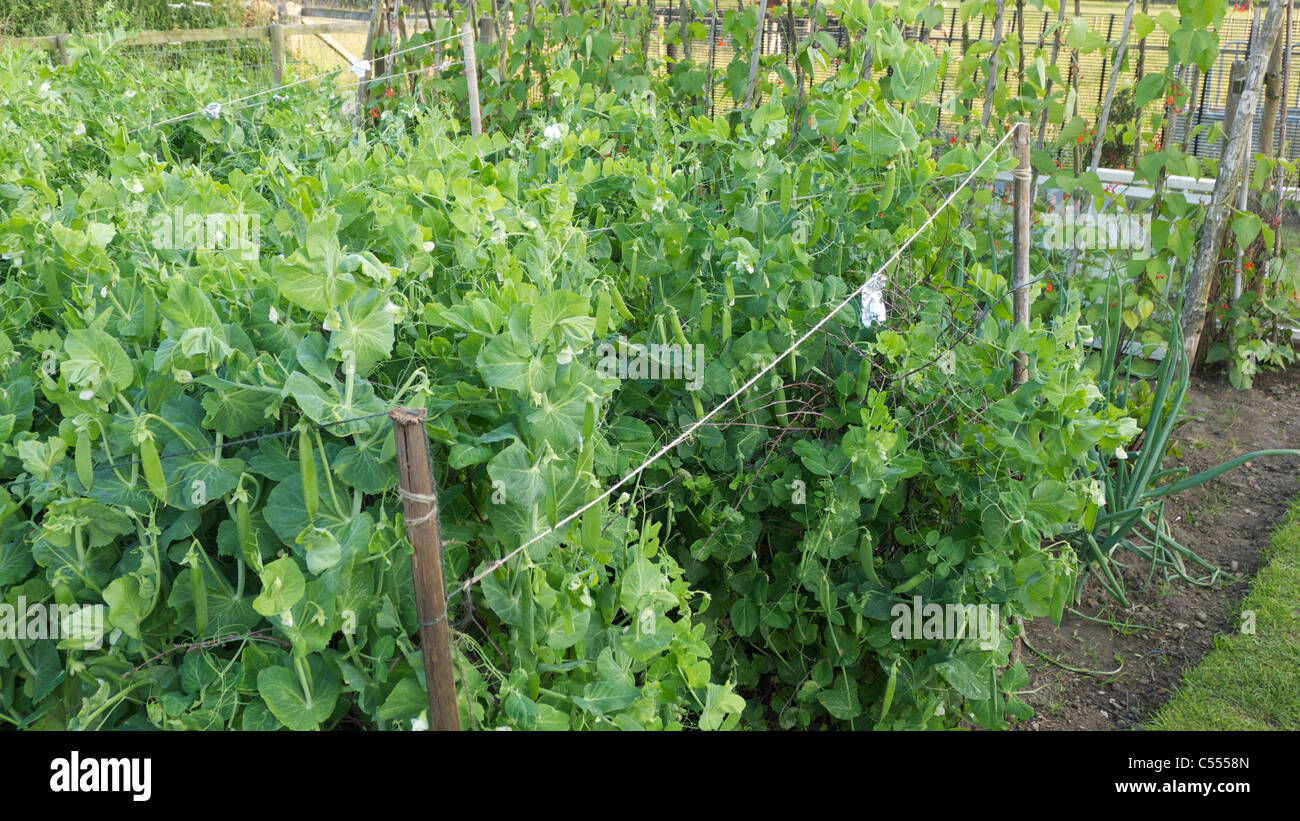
[{"x": 1250, "y": 682}]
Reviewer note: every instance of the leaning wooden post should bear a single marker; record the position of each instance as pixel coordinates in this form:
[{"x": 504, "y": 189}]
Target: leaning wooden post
[
  {"x": 1196, "y": 291},
  {"x": 758, "y": 50},
  {"x": 60, "y": 44},
  {"x": 420, "y": 510},
  {"x": 277, "y": 53},
  {"x": 471, "y": 77},
  {"x": 1023, "y": 175},
  {"x": 371, "y": 33}
]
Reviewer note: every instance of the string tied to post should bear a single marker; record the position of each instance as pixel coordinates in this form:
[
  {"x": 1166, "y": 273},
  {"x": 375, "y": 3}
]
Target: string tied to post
[{"x": 420, "y": 498}]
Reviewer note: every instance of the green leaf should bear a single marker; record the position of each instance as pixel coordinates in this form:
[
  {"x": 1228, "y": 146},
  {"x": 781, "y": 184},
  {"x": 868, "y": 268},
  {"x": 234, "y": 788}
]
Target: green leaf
[
  {"x": 283, "y": 586},
  {"x": 125, "y": 607},
  {"x": 95, "y": 360},
  {"x": 1246, "y": 226},
  {"x": 957, "y": 673},
  {"x": 280, "y": 688}
]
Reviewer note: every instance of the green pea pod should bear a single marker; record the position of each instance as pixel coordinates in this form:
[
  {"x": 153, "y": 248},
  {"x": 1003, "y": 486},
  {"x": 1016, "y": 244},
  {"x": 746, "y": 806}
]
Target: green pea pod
[
  {"x": 731, "y": 291},
  {"x": 864, "y": 380},
  {"x": 150, "y": 322},
  {"x": 589, "y": 421},
  {"x": 889, "y": 692},
  {"x": 678, "y": 334},
  {"x": 82, "y": 457},
  {"x": 619, "y": 305},
  {"x": 805, "y": 180},
  {"x": 307, "y": 467},
  {"x": 200, "y": 597},
  {"x": 787, "y": 191},
  {"x": 887, "y": 195},
  {"x": 867, "y": 556},
  {"x": 153, "y": 472},
  {"x": 726, "y": 323},
  {"x": 602, "y": 313},
  {"x": 247, "y": 539},
  {"x": 706, "y": 317}
]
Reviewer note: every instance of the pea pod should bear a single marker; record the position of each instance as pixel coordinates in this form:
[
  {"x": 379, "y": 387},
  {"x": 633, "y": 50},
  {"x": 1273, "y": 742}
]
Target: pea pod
[
  {"x": 307, "y": 467},
  {"x": 706, "y": 317},
  {"x": 602, "y": 313},
  {"x": 864, "y": 380},
  {"x": 150, "y": 322},
  {"x": 867, "y": 557},
  {"x": 726, "y": 323},
  {"x": 247, "y": 539},
  {"x": 678, "y": 334},
  {"x": 200, "y": 597},
  {"x": 589, "y": 421},
  {"x": 619, "y": 305},
  {"x": 887, "y": 195},
  {"x": 889, "y": 691},
  {"x": 787, "y": 191},
  {"x": 85, "y": 473},
  {"x": 153, "y": 472}
]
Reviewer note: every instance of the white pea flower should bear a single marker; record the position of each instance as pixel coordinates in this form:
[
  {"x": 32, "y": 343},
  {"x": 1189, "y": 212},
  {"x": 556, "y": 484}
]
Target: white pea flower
[
  {"x": 103, "y": 292},
  {"x": 273, "y": 316},
  {"x": 1120, "y": 453},
  {"x": 86, "y": 395},
  {"x": 45, "y": 88},
  {"x": 78, "y": 129},
  {"x": 129, "y": 93},
  {"x": 183, "y": 376},
  {"x": 360, "y": 68},
  {"x": 279, "y": 98},
  {"x": 420, "y": 724},
  {"x": 553, "y": 132},
  {"x": 1097, "y": 492},
  {"x": 287, "y": 617},
  {"x": 212, "y": 111},
  {"x": 769, "y": 142},
  {"x": 658, "y": 206},
  {"x": 429, "y": 246},
  {"x": 133, "y": 185}
]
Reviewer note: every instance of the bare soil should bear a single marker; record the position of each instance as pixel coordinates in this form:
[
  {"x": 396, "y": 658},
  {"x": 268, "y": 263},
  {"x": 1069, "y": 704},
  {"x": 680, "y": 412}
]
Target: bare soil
[{"x": 1227, "y": 522}]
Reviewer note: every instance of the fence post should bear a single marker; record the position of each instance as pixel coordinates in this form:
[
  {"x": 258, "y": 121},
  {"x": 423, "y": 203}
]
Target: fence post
[
  {"x": 471, "y": 77},
  {"x": 1023, "y": 175},
  {"x": 62, "y": 47},
  {"x": 277, "y": 54},
  {"x": 420, "y": 509},
  {"x": 758, "y": 48}
]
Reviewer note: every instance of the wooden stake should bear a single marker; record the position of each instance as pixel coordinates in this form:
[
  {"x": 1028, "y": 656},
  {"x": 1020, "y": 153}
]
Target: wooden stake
[
  {"x": 471, "y": 78},
  {"x": 368, "y": 54},
  {"x": 60, "y": 44},
  {"x": 420, "y": 508},
  {"x": 1024, "y": 176},
  {"x": 758, "y": 48},
  {"x": 1196, "y": 292},
  {"x": 991, "y": 82},
  {"x": 277, "y": 53}
]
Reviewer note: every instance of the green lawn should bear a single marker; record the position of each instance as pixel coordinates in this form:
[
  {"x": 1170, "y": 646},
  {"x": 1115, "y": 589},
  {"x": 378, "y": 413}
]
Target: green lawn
[{"x": 1251, "y": 682}]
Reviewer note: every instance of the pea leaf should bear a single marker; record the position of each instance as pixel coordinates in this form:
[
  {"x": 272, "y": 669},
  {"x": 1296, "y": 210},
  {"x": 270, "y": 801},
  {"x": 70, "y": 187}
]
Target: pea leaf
[{"x": 280, "y": 688}]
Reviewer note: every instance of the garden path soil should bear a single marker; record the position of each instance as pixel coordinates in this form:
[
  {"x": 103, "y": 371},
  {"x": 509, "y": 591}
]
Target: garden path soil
[{"x": 1226, "y": 521}]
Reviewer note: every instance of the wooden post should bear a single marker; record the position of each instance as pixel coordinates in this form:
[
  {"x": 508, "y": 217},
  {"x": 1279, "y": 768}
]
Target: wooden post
[
  {"x": 471, "y": 77},
  {"x": 60, "y": 43},
  {"x": 420, "y": 509},
  {"x": 371, "y": 33},
  {"x": 758, "y": 47},
  {"x": 1024, "y": 176},
  {"x": 1197, "y": 290},
  {"x": 991, "y": 82},
  {"x": 277, "y": 54}
]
